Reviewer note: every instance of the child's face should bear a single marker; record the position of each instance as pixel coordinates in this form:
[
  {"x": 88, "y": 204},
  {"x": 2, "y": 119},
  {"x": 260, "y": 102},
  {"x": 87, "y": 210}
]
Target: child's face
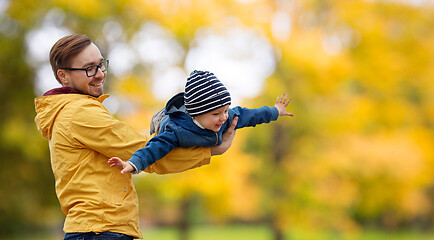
[{"x": 213, "y": 120}]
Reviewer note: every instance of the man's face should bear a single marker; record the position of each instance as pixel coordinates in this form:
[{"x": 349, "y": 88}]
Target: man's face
[
  {"x": 213, "y": 120},
  {"x": 79, "y": 80}
]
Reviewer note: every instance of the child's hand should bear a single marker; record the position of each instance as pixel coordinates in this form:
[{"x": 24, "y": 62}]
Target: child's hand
[
  {"x": 125, "y": 167},
  {"x": 281, "y": 104}
]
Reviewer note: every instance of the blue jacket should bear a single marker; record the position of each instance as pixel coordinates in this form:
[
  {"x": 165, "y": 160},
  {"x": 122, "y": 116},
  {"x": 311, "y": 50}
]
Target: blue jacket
[{"x": 177, "y": 129}]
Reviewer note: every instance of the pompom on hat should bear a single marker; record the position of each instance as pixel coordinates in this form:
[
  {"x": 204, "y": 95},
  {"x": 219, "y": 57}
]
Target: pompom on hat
[{"x": 204, "y": 93}]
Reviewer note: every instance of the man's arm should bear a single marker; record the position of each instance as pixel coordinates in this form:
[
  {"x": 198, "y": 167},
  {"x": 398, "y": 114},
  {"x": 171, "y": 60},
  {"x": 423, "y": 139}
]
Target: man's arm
[
  {"x": 176, "y": 160},
  {"x": 227, "y": 139},
  {"x": 96, "y": 129}
]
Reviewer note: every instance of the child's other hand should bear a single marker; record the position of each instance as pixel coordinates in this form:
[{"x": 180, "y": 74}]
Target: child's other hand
[
  {"x": 123, "y": 166},
  {"x": 281, "y": 104}
]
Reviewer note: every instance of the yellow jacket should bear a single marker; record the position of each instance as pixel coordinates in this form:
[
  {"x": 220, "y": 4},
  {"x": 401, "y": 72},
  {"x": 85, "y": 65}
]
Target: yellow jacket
[{"x": 82, "y": 136}]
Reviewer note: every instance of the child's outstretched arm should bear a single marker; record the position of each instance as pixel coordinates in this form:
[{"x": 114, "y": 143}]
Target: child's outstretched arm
[
  {"x": 125, "y": 167},
  {"x": 282, "y": 103}
]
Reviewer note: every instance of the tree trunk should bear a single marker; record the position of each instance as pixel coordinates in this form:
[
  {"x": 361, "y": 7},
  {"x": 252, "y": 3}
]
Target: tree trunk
[
  {"x": 277, "y": 231},
  {"x": 278, "y": 151},
  {"x": 184, "y": 224}
]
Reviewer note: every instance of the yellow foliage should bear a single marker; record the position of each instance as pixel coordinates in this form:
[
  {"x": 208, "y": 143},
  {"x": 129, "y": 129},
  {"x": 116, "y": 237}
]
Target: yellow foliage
[
  {"x": 224, "y": 184},
  {"x": 361, "y": 139},
  {"x": 388, "y": 167},
  {"x": 92, "y": 9}
]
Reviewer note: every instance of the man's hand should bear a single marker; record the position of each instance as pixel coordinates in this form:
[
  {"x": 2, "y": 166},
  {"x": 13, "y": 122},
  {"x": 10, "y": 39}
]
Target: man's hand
[
  {"x": 125, "y": 167},
  {"x": 227, "y": 139},
  {"x": 282, "y": 104}
]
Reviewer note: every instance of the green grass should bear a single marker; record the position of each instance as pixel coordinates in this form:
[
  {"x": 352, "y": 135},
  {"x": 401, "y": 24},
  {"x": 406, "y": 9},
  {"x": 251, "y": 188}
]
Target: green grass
[
  {"x": 211, "y": 233},
  {"x": 363, "y": 235},
  {"x": 233, "y": 232},
  {"x": 250, "y": 232},
  {"x": 257, "y": 232}
]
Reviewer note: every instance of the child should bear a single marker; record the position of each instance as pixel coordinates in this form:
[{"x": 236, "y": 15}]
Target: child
[{"x": 198, "y": 117}]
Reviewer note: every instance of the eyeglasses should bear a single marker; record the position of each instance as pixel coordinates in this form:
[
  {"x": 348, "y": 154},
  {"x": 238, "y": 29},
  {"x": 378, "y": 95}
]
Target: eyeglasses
[{"x": 92, "y": 70}]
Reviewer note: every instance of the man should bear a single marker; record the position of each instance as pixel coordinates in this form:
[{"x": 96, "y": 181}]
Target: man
[{"x": 97, "y": 200}]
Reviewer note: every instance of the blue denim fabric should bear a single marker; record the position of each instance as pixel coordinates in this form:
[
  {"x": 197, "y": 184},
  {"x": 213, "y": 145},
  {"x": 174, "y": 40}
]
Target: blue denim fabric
[{"x": 97, "y": 236}]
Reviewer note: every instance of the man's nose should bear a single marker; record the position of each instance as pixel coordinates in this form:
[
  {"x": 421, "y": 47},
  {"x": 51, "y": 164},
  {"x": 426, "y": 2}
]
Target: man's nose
[{"x": 99, "y": 73}]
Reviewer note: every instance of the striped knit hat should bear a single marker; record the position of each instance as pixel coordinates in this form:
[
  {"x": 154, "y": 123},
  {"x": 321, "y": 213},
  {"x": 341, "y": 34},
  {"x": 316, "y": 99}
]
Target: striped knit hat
[{"x": 204, "y": 93}]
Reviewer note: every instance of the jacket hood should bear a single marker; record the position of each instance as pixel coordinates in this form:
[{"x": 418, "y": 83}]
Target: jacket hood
[
  {"x": 176, "y": 104},
  {"x": 49, "y": 106},
  {"x": 177, "y": 111}
]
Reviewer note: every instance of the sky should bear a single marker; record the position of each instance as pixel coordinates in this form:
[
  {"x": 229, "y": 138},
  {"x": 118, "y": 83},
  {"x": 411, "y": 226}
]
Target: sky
[{"x": 241, "y": 58}]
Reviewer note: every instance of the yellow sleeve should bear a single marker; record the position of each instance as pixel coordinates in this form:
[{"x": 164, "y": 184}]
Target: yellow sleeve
[
  {"x": 96, "y": 129},
  {"x": 181, "y": 159}
]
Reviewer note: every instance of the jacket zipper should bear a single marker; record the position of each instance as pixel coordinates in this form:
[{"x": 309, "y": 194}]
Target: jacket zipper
[{"x": 216, "y": 139}]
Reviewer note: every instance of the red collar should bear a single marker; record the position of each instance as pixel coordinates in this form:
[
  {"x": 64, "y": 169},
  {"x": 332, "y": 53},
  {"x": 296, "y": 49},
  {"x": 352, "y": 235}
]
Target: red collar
[{"x": 61, "y": 90}]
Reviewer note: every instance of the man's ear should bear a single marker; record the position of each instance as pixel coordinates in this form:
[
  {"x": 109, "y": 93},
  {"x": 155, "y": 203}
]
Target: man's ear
[{"x": 64, "y": 78}]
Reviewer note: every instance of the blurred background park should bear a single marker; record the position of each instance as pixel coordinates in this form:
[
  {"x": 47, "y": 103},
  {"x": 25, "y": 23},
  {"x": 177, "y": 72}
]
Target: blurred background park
[{"x": 356, "y": 161}]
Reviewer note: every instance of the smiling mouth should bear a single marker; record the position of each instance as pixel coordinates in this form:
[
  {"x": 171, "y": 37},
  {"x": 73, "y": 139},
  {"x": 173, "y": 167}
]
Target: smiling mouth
[{"x": 96, "y": 84}]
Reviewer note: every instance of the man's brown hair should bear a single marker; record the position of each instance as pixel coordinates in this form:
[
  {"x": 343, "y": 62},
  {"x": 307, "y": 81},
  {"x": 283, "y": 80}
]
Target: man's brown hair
[{"x": 65, "y": 49}]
